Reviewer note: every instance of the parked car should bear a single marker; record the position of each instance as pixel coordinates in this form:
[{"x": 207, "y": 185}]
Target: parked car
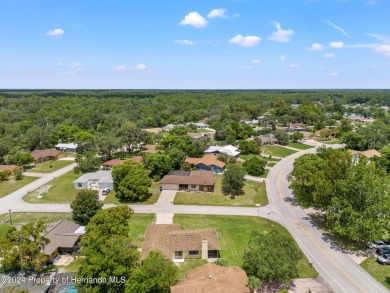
[
  {"x": 378, "y": 244},
  {"x": 105, "y": 191},
  {"x": 384, "y": 259},
  {"x": 384, "y": 250}
]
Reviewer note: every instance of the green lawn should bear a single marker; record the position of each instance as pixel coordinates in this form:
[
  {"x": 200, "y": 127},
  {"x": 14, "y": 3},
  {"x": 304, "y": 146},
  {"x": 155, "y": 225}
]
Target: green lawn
[
  {"x": 45, "y": 167},
  {"x": 271, "y": 164},
  {"x": 189, "y": 265},
  {"x": 278, "y": 151},
  {"x": 299, "y": 145},
  {"x": 154, "y": 190},
  {"x": 234, "y": 233},
  {"x": 254, "y": 193},
  {"x": 9, "y": 186},
  {"x": 61, "y": 191},
  {"x": 380, "y": 272},
  {"x": 138, "y": 223}
]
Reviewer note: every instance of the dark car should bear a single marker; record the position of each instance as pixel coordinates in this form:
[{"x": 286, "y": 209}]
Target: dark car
[{"x": 384, "y": 250}]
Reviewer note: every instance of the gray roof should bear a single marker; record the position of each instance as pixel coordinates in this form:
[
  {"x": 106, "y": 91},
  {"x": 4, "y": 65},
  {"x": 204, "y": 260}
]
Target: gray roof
[{"x": 100, "y": 176}]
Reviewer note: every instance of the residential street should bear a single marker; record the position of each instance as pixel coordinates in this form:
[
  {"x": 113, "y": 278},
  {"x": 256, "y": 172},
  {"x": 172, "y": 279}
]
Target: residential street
[{"x": 336, "y": 267}]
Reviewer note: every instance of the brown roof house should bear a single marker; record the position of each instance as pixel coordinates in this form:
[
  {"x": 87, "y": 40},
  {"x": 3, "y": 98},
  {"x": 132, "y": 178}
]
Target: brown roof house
[
  {"x": 188, "y": 180},
  {"x": 148, "y": 149},
  {"x": 207, "y": 163},
  {"x": 64, "y": 238},
  {"x": 211, "y": 278},
  {"x": 368, "y": 154},
  {"x": 179, "y": 245},
  {"x": 41, "y": 156},
  {"x": 10, "y": 169},
  {"x": 111, "y": 163}
]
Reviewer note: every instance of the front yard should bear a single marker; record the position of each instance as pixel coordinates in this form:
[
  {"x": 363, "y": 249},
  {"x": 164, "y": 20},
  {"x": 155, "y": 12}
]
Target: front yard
[
  {"x": 254, "y": 193},
  {"x": 50, "y": 166},
  {"x": 11, "y": 185},
  {"x": 278, "y": 151},
  {"x": 154, "y": 189},
  {"x": 380, "y": 272},
  {"x": 299, "y": 145}
]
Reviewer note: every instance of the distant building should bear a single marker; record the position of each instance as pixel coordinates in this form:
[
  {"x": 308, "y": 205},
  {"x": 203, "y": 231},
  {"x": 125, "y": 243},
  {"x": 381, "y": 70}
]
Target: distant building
[
  {"x": 188, "y": 180},
  {"x": 199, "y": 125},
  {"x": 41, "y": 156},
  {"x": 148, "y": 149},
  {"x": 155, "y": 130},
  {"x": 297, "y": 127},
  {"x": 66, "y": 147},
  {"x": 207, "y": 163},
  {"x": 95, "y": 181},
  {"x": 10, "y": 169},
  {"x": 267, "y": 139},
  {"x": 228, "y": 150}
]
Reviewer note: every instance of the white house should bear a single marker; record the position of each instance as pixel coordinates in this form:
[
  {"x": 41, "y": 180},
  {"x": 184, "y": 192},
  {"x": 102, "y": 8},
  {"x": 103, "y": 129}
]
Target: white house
[
  {"x": 66, "y": 147},
  {"x": 96, "y": 181},
  {"x": 227, "y": 150}
]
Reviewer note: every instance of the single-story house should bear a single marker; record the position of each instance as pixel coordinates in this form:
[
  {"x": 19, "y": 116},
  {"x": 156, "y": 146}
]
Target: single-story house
[
  {"x": 253, "y": 122},
  {"x": 178, "y": 245},
  {"x": 200, "y": 136},
  {"x": 368, "y": 154},
  {"x": 207, "y": 163},
  {"x": 155, "y": 130},
  {"x": 148, "y": 149},
  {"x": 211, "y": 278},
  {"x": 267, "y": 139},
  {"x": 97, "y": 180},
  {"x": 11, "y": 169},
  {"x": 199, "y": 125},
  {"x": 111, "y": 163},
  {"x": 297, "y": 127},
  {"x": 41, "y": 156},
  {"x": 188, "y": 180},
  {"x": 66, "y": 147},
  {"x": 64, "y": 238},
  {"x": 227, "y": 150}
]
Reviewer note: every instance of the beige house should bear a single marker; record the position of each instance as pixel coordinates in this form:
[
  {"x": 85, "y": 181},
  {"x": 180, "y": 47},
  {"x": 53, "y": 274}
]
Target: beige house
[
  {"x": 41, "y": 156},
  {"x": 11, "y": 169},
  {"x": 211, "y": 278},
  {"x": 198, "y": 180},
  {"x": 179, "y": 245}
]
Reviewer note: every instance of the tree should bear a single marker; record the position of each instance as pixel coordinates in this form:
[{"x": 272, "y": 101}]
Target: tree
[
  {"x": 282, "y": 136},
  {"x": 297, "y": 136},
  {"x": 156, "y": 274},
  {"x": 132, "y": 136},
  {"x": 18, "y": 175},
  {"x": 108, "y": 251},
  {"x": 158, "y": 165},
  {"x": 233, "y": 180},
  {"x": 271, "y": 256},
  {"x": 87, "y": 163},
  {"x": 254, "y": 166},
  {"x": 85, "y": 205},
  {"x": 4, "y": 175},
  {"x": 249, "y": 147},
  {"x": 253, "y": 283},
  {"x": 131, "y": 181}
]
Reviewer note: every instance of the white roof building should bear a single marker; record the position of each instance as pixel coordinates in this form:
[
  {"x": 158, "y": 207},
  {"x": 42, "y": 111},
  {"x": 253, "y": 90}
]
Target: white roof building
[{"x": 227, "y": 150}]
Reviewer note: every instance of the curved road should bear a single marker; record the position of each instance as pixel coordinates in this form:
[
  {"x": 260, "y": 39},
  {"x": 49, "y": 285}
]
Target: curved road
[{"x": 336, "y": 267}]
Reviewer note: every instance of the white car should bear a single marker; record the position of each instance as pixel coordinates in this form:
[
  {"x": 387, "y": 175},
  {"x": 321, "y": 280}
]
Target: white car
[{"x": 105, "y": 191}]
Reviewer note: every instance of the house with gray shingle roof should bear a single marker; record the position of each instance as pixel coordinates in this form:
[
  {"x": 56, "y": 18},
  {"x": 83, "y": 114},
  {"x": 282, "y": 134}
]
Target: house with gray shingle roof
[{"x": 96, "y": 180}]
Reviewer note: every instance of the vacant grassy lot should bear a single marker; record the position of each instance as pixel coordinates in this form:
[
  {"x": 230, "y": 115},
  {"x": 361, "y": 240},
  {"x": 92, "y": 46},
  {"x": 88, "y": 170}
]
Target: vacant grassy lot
[
  {"x": 278, "y": 151},
  {"x": 138, "y": 223},
  {"x": 254, "y": 192},
  {"x": 154, "y": 190},
  {"x": 18, "y": 218},
  {"x": 380, "y": 272},
  {"x": 61, "y": 190},
  {"x": 45, "y": 167},
  {"x": 299, "y": 145},
  {"x": 11, "y": 185},
  {"x": 234, "y": 233}
]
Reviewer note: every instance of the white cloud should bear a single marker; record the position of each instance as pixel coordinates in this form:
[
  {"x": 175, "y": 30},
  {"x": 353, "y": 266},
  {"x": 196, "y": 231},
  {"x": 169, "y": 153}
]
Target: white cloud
[
  {"x": 56, "y": 32},
  {"x": 256, "y": 61},
  {"x": 245, "y": 41},
  {"x": 283, "y": 58},
  {"x": 293, "y": 65},
  {"x": 335, "y": 26},
  {"x": 185, "y": 42},
  {"x": 383, "y": 49},
  {"x": 329, "y": 55},
  {"x": 281, "y": 36},
  {"x": 140, "y": 67},
  {"x": 337, "y": 45},
  {"x": 333, "y": 74},
  {"x": 74, "y": 64},
  {"x": 219, "y": 12},
  {"x": 120, "y": 68},
  {"x": 317, "y": 47},
  {"x": 194, "y": 19}
]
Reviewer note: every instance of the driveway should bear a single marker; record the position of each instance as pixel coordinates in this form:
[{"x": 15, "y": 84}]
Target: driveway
[{"x": 167, "y": 197}]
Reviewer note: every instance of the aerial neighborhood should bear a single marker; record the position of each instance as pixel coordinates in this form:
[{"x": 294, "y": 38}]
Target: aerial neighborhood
[{"x": 194, "y": 191}]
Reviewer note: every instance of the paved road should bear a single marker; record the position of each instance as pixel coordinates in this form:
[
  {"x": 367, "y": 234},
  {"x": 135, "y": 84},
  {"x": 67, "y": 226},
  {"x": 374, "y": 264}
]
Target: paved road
[{"x": 336, "y": 267}]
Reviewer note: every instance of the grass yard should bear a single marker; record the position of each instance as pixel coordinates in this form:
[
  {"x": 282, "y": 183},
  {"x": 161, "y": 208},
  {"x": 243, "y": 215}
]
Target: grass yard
[
  {"x": 189, "y": 265},
  {"x": 138, "y": 223},
  {"x": 278, "y": 151},
  {"x": 45, "y": 167},
  {"x": 380, "y": 272},
  {"x": 271, "y": 164},
  {"x": 154, "y": 189},
  {"x": 61, "y": 190},
  {"x": 11, "y": 185},
  {"x": 299, "y": 145},
  {"x": 234, "y": 233},
  {"x": 254, "y": 193}
]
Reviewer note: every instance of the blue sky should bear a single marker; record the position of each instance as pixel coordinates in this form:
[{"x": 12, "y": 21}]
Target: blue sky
[{"x": 177, "y": 44}]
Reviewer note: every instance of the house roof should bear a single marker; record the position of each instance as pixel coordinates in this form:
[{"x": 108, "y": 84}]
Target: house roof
[
  {"x": 265, "y": 139},
  {"x": 66, "y": 145},
  {"x": 208, "y": 160},
  {"x": 195, "y": 135},
  {"x": 211, "y": 278},
  {"x": 137, "y": 159},
  {"x": 228, "y": 150},
  {"x": 45, "y": 153},
  {"x": 369, "y": 153},
  {"x": 100, "y": 176},
  {"x": 149, "y": 149},
  {"x": 8, "y": 168},
  {"x": 113, "y": 162},
  {"x": 153, "y": 130},
  {"x": 194, "y": 177},
  {"x": 169, "y": 238}
]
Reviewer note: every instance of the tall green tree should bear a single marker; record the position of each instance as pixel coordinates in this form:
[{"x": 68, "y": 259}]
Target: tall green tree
[
  {"x": 233, "y": 180},
  {"x": 85, "y": 205},
  {"x": 158, "y": 165},
  {"x": 255, "y": 166}
]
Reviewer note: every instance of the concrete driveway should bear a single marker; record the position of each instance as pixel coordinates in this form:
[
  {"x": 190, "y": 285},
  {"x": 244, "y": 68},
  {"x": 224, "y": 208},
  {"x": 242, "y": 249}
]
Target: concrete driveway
[{"x": 167, "y": 197}]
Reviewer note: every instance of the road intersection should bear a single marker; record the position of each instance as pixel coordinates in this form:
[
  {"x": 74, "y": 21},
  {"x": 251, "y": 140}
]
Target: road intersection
[{"x": 335, "y": 266}]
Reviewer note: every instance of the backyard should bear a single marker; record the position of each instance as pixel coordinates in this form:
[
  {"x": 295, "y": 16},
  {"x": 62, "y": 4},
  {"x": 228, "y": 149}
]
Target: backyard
[
  {"x": 11, "y": 185},
  {"x": 254, "y": 193},
  {"x": 278, "y": 151},
  {"x": 50, "y": 166}
]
